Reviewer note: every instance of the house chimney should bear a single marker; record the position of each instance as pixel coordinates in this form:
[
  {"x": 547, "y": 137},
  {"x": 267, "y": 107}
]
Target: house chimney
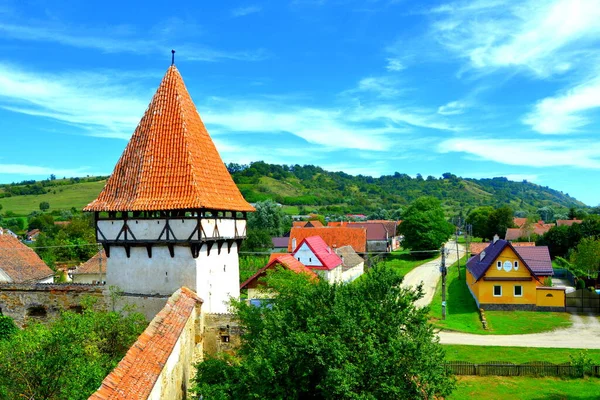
[
  {"x": 293, "y": 244},
  {"x": 496, "y": 237}
]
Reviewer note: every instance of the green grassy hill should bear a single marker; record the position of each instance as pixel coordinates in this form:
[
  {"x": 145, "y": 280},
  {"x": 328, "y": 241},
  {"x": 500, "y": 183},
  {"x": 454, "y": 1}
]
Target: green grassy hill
[{"x": 303, "y": 189}]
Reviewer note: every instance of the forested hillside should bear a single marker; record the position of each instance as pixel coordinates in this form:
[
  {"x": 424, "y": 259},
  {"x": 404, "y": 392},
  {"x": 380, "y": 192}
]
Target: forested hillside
[
  {"x": 314, "y": 188},
  {"x": 303, "y": 189}
]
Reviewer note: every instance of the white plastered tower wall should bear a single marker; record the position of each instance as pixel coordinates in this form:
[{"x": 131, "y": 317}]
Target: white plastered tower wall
[{"x": 218, "y": 277}]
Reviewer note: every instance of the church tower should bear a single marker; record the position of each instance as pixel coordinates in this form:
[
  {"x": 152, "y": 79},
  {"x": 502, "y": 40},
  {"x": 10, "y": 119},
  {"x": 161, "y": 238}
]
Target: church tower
[{"x": 170, "y": 214}]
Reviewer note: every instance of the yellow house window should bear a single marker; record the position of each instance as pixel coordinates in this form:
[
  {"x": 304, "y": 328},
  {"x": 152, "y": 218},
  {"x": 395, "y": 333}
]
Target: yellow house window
[
  {"x": 516, "y": 265},
  {"x": 518, "y": 291},
  {"x": 499, "y": 265},
  {"x": 497, "y": 291}
]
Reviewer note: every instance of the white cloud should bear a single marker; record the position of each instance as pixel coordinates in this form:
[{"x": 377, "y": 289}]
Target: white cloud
[
  {"x": 356, "y": 127},
  {"x": 381, "y": 86},
  {"x": 124, "y": 43},
  {"x": 21, "y": 169},
  {"x": 452, "y": 108},
  {"x": 565, "y": 113},
  {"x": 546, "y": 37},
  {"x": 243, "y": 11},
  {"x": 531, "y": 153},
  {"x": 100, "y": 104},
  {"x": 394, "y": 64}
]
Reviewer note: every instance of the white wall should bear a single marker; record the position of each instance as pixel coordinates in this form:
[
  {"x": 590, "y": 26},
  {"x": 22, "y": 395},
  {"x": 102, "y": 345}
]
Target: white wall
[
  {"x": 88, "y": 278},
  {"x": 306, "y": 256},
  {"x": 218, "y": 278},
  {"x": 160, "y": 274},
  {"x": 353, "y": 273}
]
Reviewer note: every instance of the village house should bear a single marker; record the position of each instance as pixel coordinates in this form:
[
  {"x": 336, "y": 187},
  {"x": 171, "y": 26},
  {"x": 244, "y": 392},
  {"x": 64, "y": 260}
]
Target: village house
[
  {"x": 507, "y": 277},
  {"x": 378, "y": 239},
  {"x": 334, "y": 237},
  {"x": 257, "y": 292},
  {"x": 353, "y": 265},
  {"x": 92, "y": 271},
  {"x": 524, "y": 231},
  {"x": 319, "y": 257},
  {"x": 20, "y": 264},
  {"x": 568, "y": 222}
]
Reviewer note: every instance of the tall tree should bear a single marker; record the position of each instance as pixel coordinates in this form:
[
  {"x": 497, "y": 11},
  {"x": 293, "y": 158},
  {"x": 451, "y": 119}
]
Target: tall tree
[
  {"x": 364, "y": 340},
  {"x": 424, "y": 226},
  {"x": 478, "y": 219},
  {"x": 586, "y": 257},
  {"x": 500, "y": 220}
]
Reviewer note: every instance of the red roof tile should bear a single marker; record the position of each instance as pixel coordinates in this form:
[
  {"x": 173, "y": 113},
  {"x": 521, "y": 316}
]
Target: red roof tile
[
  {"x": 326, "y": 256},
  {"x": 519, "y": 222},
  {"x": 334, "y": 237},
  {"x": 170, "y": 162},
  {"x": 476, "y": 248},
  {"x": 375, "y": 230},
  {"x": 287, "y": 261},
  {"x": 20, "y": 262},
  {"x": 137, "y": 373},
  {"x": 390, "y": 226},
  {"x": 91, "y": 266},
  {"x": 567, "y": 222},
  {"x": 537, "y": 257}
]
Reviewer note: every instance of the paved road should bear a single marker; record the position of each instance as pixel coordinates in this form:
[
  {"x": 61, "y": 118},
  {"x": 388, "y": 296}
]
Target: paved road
[
  {"x": 429, "y": 274},
  {"x": 583, "y": 334}
]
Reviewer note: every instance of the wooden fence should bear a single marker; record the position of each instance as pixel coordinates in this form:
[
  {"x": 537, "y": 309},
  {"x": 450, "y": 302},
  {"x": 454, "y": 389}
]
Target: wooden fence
[{"x": 534, "y": 368}]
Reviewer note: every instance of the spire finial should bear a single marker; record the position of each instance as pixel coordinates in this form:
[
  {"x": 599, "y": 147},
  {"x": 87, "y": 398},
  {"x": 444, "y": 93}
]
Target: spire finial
[{"x": 172, "y": 57}]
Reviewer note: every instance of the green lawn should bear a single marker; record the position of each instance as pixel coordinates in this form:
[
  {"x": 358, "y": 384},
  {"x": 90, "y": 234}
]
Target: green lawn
[
  {"x": 462, "y": 314},
  {"x": 402, "y": 262},
  {"x": 67, "y": 196},
  {"x": 500, "y": 388},
  {"x": 517, "y": 355}
]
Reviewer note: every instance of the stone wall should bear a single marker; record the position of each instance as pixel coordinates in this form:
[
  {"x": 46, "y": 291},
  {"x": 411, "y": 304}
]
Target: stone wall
[
  {"x": 43, "y": 302},
  {"x": 220, "y": 333},
  {"x": 519, "y": 307}
]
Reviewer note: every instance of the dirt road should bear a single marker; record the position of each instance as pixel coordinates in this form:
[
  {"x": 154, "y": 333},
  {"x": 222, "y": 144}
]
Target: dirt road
[
  {"x": 429, "y": 274},
  {"x": 583, "y": 334}
]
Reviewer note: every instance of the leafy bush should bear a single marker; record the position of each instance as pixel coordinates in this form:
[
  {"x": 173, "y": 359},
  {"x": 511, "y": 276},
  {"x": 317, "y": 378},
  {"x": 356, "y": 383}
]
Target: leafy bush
[{"x": 7, "y": 327}]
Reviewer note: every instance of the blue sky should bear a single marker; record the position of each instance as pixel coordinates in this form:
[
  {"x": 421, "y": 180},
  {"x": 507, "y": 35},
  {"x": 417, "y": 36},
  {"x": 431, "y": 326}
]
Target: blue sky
[{"x": 477, "y": 88}]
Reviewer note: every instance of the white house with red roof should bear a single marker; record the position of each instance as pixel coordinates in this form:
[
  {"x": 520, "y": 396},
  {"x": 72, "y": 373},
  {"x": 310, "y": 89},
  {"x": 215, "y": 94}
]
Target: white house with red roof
[{"x": 316, "y": 255}]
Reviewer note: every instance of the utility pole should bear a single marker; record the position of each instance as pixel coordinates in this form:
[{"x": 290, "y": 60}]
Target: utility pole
[
  {"x": 457, "y": 255},
  {"x": 444, "y": 271}
]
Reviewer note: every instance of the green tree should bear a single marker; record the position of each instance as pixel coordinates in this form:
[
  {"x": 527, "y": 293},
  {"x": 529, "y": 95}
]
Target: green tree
[
  {"x": 500, "y": 220},
  {"x": 68, "y": 358},
  {"x": 364, "y": 340},
  {"x": 270, "y": 217},
  {"x": 478, "y": 219},
  {"x": 424, "y": 226},
  {"x": 558, "y": 241},
  {"x": 586, "y": 257},
  {"x": 7, "y": 327},
  {"x": 44, "y": 206}
]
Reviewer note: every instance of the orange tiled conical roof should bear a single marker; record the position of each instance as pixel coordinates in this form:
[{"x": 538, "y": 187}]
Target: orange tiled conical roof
[{"x": 171, "y": 162}]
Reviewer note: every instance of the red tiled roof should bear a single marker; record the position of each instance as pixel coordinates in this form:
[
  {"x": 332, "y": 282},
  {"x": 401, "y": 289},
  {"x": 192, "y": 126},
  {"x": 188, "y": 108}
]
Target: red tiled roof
[
  {"x": 308, "y": 224},
  {"x": 523, "y": 244},
  {"x": 326, "y": 256},
  {"x": 20, "y": 262},
  {"x": 285, "y": 260},
  {"x": 390, "y": 226},
  {"x": 519, "y": 222},
  {"x": 476, "y": 248},
  {"x": 375, "y": 231},
  {"x": 170, "y": 163},
  {"x": 513, "y": 233},
  {"x": 334, "y": 237},
  {"x": 567, "y": 222},
  {"x": 137, "y": 373},
  {"x": 91, "y": 266},
  {"x": 337, "y": 223}
]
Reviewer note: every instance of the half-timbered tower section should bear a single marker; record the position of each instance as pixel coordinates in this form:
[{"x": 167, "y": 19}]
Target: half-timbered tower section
[{"x": 170, "y": 215}]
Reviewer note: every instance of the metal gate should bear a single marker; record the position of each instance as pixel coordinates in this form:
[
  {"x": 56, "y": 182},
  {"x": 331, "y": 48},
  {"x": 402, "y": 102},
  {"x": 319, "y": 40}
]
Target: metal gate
[{"x": 583, "y": 301}]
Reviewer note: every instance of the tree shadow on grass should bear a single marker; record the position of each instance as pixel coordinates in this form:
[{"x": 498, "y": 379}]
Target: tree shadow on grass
[{"x": 459, "y": 299}]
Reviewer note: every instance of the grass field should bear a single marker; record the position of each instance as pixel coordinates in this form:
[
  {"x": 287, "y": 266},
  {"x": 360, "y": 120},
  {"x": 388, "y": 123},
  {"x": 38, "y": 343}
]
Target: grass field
[
  {"x": 402, "y": 262},
  {"x": 462, "y": 314},
  {"x": 500, "y": 388},
  {"x": 517, "y": 355},
  {"x": 61, "y": 197}
]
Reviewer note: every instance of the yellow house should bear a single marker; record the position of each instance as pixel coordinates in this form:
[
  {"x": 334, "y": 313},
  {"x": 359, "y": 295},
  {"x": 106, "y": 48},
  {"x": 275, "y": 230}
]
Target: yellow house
[{"x": 504, "y": 277}]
